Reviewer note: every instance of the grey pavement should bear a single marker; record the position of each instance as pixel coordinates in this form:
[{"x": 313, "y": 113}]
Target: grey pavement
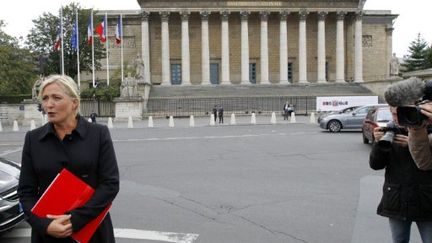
[{"x": 242, "y": 184}]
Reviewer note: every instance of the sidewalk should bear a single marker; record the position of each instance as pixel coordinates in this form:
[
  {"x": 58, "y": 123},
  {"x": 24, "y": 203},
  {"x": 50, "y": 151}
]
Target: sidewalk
[
  {"x": 203, "y": 121},
  {"x": 161, "y": 122}
]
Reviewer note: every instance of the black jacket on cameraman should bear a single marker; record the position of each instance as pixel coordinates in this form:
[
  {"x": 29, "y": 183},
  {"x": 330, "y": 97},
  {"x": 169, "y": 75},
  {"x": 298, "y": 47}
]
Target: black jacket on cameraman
[{"x": 407, "y": 191}]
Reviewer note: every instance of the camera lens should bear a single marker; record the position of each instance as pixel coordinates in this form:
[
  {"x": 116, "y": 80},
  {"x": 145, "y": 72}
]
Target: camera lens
[{"x": 409, "y": 115}]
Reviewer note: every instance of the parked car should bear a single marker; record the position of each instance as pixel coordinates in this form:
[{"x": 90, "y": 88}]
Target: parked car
[
  {"x": 376, "y": 117},
  {"x": 10, "y": 211},
  {"x": 345, "y": 110},
  {"x": 350, "y": 120}
]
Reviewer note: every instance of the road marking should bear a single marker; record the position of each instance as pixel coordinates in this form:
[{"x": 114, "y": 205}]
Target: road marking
[
  {"x": 195, "y": 138},
  {"x": 126, "y": 234},
  {"x": 10, "y": 152}
]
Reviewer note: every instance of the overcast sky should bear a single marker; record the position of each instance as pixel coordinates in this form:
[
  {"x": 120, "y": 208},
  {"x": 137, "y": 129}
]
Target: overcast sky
[{"x": 413, "y": 16}]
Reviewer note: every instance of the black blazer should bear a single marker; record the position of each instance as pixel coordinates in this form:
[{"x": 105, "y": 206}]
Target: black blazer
[{"x": 87, "y": 152}]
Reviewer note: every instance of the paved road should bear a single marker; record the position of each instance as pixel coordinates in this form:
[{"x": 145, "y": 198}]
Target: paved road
[{"x": 289, "y": 182}]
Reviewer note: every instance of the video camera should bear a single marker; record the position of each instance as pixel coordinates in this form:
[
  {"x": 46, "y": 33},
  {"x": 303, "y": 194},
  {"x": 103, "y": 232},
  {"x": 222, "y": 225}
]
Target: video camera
[
  {"x": 389, "y": 133},
  {"x": 407, "y": 95}
]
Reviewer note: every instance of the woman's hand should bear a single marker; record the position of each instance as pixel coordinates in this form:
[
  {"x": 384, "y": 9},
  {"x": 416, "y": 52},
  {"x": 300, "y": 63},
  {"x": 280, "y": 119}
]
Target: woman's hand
[{"x": 60, "y": 227}]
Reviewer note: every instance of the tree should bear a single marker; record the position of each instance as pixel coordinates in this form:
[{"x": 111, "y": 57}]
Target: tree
[
  {"x": 42, "y": 37},
  {"x": 428, "y": 57},
  {"x": 18, "y": 69},
  {"x": 417, "y": 59}
]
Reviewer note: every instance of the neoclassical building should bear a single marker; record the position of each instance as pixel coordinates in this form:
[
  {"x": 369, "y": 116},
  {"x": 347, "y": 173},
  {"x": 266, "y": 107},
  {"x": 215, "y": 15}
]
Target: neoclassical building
[{"x": 205, "y": 42}]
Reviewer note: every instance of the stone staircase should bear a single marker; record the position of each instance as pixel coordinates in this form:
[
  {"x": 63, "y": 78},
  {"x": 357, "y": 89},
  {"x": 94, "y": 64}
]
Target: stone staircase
[
  {"x": 216, "y": 91},
  {"x": 243, "y": 99}
]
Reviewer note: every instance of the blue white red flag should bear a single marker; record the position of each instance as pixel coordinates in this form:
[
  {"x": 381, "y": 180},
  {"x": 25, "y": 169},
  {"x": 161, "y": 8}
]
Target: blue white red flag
[
  {"x": 90, "y": 30},
  {"x": 101, "y": 30},
  {"x": 57, "y": 42},
  {"x": 118, "y": 31}
]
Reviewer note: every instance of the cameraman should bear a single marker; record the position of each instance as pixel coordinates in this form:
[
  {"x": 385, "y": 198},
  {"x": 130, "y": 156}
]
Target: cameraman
[
  {"x": 420, "y": 141},
  {"x": 406, "y": 195},
  {"x": 413, "y": 97}
]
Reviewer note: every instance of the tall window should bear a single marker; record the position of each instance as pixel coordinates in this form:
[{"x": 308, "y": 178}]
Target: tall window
[
  {"x": 327, "y": 71},
  {"x": 252, "y": 73},
  {"x": 176, "y": 74},
  {"x": 214, "y": 73},
  {"x": 290, "y": 72}
]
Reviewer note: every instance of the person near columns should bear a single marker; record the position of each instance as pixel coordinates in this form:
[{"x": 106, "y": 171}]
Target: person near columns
[
  {"x": 215, "y": 110},
  {"x": 221, "y": 113}
]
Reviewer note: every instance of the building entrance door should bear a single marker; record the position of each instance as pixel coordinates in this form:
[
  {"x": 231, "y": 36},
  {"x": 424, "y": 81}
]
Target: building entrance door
[{"x": 214, "y": 73}]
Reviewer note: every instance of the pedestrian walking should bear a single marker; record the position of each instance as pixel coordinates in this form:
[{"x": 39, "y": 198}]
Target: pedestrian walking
[
  {"x": 221, "y": 114},
  {"x": 93, "y": 116},
  {"x": 215, "y": 109}
]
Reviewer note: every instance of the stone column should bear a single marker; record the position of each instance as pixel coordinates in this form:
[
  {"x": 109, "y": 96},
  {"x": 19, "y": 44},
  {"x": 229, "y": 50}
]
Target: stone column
[
  {"x": 358, "y": 61},
  {"x": 340, "y": 48},
  {"x": 145, "y": 44},
  {"x": 244, "y": 48},
  {"x": 302, "y": 47},
  {"x": 283, "y": 48},
  {"x": 389, "y": 35},
  {"x": 165, "y": 49},
  {"x": 321, "y": 48},
  {"x": 225, "y": 49},
  {"x": 185, "y": 48},
  {"x": 205, "y": 52},
  {"x": 264, "y": 48}
]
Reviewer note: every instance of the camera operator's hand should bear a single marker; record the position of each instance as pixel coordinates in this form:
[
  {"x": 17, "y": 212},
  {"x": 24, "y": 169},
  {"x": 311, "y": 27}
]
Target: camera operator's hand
[
  {"x": 401, "y": 140},
  {"x": 378, "y": 133},
  {"x": 426, "y": 109}
]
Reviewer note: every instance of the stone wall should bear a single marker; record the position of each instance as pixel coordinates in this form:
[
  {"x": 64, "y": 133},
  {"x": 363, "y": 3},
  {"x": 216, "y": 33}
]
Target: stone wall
[{"x": 23, "y": 113}]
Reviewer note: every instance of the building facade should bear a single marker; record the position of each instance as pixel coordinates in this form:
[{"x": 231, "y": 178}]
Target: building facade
[{"x": 206, "y": 42}]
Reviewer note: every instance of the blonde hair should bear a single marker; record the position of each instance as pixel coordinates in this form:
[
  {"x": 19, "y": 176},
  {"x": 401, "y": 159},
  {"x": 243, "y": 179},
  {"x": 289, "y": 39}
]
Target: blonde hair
[{"x": 66, "y": 83}]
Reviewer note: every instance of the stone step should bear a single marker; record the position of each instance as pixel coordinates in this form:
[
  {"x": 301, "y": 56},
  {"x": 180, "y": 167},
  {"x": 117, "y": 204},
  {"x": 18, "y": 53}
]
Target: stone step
[
  {"x": 200, "y": 100},
  {"x": 312, "y": 89}
]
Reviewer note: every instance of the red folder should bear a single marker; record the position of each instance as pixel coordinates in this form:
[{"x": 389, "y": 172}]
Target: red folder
[{"x": 65, "y": 193}]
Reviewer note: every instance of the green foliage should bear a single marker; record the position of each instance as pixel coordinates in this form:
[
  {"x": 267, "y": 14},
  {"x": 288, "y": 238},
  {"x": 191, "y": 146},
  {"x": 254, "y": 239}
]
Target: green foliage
[
  {"x": 104, "y": 93},
  {"x": 428, "y": 57},
  {"x": 42, "y": 37},
  {"x": 18, "y": 69},
  {"x": 420, "y": 55}
]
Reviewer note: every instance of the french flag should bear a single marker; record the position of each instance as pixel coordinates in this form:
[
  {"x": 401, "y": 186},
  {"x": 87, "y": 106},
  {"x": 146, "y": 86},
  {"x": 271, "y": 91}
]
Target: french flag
[
  {"x": 57, "y": 42},
  {"x": 90, "y": 30},
  {"x": 118, "y": 31},
  {"x": 101, "y": 30}
]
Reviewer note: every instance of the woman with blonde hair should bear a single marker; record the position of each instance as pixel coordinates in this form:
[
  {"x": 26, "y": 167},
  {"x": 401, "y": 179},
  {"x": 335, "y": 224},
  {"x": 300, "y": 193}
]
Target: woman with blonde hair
[{"x": 67, "y": 141}]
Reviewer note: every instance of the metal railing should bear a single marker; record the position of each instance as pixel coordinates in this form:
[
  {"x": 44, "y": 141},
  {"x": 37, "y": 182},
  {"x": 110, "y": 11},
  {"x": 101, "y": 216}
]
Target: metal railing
[
  {"x": 186, "y": 106},
  {"x": 102, "y": 108}
]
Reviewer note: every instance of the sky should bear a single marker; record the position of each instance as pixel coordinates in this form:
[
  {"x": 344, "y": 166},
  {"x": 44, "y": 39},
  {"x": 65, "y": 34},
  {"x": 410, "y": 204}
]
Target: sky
[{"x": 413, "y": 16}]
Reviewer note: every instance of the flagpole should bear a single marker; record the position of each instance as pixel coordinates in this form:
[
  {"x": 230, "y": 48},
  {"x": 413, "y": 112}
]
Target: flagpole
[
  {"x": 92, "y": 40},
  {"x": 121, "y": 46},
  {"x": 61, "y": 39},
  {"x": 107, "y": 46},
  {"x": 78, "y": 50}
]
